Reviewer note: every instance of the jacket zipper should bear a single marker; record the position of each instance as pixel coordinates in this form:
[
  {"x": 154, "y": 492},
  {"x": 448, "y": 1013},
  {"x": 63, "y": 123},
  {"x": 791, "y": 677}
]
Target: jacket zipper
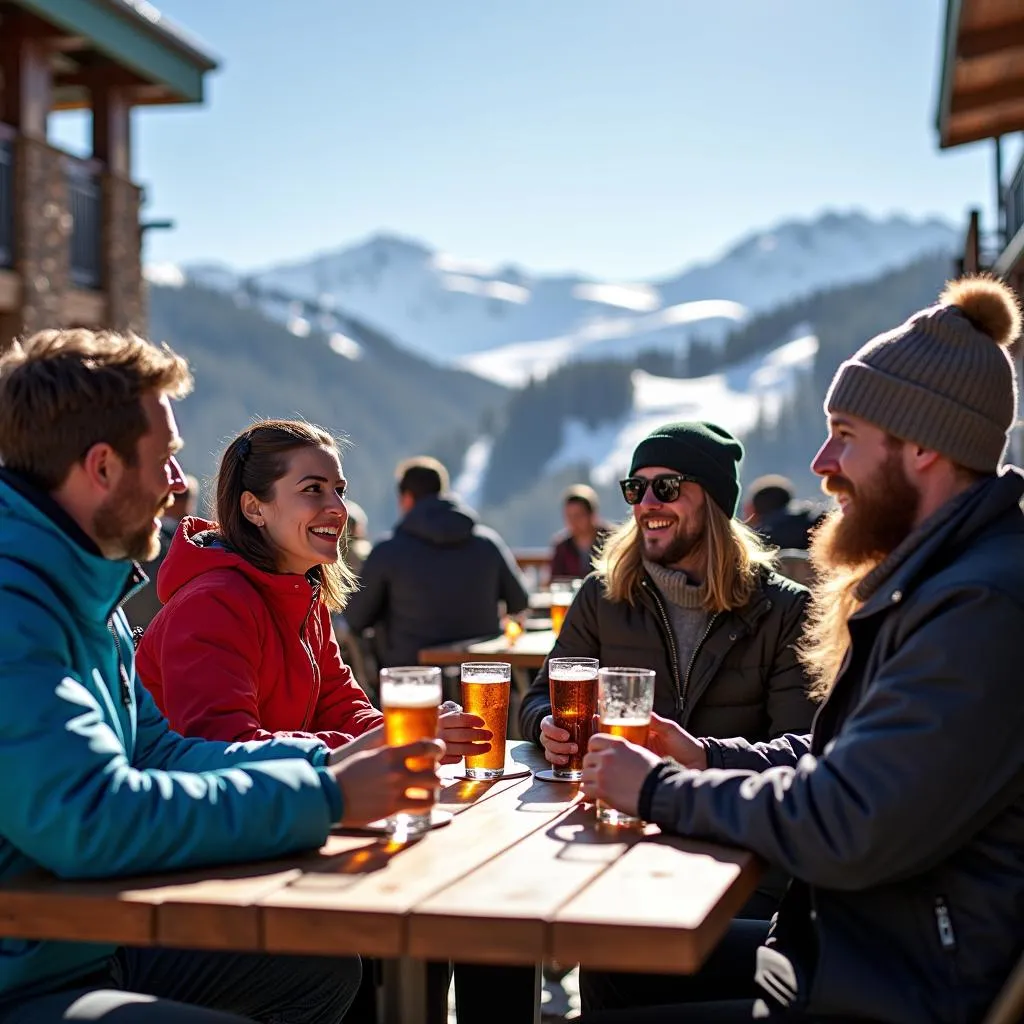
[
  {"x": 947, "y": 937},
  {"x": 126, "y": 693},
  {"x": 314, "y": 688},
  {"x": 693, "y": 657},
  {"x": 673, "y": 651}
]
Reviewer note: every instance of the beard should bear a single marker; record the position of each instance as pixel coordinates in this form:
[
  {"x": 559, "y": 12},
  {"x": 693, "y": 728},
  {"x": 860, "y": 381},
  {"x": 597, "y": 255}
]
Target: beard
[
  {"x": 881, "y": 515},
  {"x": 124, "y": 522},
  {"x": 687, "y": 540}
]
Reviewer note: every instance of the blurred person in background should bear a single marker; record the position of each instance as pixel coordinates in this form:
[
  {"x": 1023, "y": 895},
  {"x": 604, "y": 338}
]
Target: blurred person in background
[
  {"x": 439, "y": 578},
  {"x": 574, "y": 550},
  {"x": 144, "y": 604},
  {"x": 773, "y": 511}
]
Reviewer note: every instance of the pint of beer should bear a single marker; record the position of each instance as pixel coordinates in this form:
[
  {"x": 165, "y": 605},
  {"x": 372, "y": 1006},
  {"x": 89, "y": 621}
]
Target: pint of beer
[
  {"x": 409, "y": 698},
  {"x": 562, "y": 594},
  {"x": 625, "y": 699},
  {"x": 485, "y": 692},
  {"x": 572, "y": 684}
]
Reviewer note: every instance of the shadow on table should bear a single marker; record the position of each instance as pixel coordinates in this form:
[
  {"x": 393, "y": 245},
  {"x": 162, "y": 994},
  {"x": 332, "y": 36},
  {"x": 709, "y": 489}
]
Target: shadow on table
[{"x": 579, "y": 833}]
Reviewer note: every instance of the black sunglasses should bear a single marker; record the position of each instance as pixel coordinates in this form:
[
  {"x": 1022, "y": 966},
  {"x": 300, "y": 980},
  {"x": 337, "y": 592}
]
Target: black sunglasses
[{"x": 666, "y": 487}]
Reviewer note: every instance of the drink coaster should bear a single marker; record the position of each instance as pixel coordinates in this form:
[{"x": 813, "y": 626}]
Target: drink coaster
[
  {"x": 438, "y": 819},
  {"x": 548, "y": 775},
  {"x": 523, "y": 773}
]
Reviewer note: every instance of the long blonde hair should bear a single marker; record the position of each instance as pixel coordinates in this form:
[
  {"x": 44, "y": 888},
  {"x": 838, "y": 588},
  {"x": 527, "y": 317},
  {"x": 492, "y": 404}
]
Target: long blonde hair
[{"x": 736, "y": 559}]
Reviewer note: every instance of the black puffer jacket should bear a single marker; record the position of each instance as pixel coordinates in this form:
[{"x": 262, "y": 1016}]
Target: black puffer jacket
[
  {"x": 743, "y": 679},
  {"x": 436, "y": 580},
  {"x": 902, "y": 815}
]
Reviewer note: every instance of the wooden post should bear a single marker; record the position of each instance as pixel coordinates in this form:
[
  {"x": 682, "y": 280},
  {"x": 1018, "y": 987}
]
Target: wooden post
[
  {"x": 25, "y": 60},
  {"x": 111, "y": 128}
]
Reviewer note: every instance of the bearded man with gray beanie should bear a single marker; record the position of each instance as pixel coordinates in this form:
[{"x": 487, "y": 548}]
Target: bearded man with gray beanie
[
  {"x": 900, "y": 816},
  {"x": 685, "y": 589}
]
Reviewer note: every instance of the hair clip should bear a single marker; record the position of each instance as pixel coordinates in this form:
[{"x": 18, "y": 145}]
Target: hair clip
[{"x": 244, "y": 448}]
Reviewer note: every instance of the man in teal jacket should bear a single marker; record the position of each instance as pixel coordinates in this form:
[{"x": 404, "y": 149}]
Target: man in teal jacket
[{"x": 93, "y": 783}]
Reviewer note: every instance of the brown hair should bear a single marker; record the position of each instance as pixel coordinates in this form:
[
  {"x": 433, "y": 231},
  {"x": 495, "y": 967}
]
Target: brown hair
[
  {"x": 736, "y": 558},
  {"x": 582, "y": 494},
  {"x": 254, "y": 461},
  {"x": 63, "y": 391},
  {"x": 422, "y": 477}
]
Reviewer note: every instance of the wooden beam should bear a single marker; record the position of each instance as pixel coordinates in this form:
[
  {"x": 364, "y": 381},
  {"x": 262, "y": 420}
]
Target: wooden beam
[
  {"x": 991, "y": 39},
  {"x": 111, "y": 129},
  {"x": 25, "y": 66},
  {"x": 80, "y": 308},
  {"x": 975, "y": 125},
  {"x": 1009, "y": 89},
  {"x": 99, "y": 76},
  {"x": 10, "y": 290}
]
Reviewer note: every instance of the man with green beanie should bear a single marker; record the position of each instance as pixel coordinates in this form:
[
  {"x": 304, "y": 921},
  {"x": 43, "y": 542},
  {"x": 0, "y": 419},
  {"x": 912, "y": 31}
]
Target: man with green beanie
[
  {"x": 685, "y": 589},
  {"x": 900, "y": 816}
]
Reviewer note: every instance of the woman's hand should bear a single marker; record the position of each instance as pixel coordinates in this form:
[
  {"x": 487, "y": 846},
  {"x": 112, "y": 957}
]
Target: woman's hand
[
  {"x": 464, "y": 735},
  {"x": 669, "y": 739},
  {"x": 370, "y": 740}
]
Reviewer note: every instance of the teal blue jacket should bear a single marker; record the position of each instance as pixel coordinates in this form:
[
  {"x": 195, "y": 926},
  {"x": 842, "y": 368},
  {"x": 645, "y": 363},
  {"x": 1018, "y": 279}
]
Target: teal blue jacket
[{"x": 93, "y": 782}]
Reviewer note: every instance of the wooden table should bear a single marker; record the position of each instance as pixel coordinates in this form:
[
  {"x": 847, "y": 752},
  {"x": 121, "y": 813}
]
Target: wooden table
[
  {"x": 521, "y": 875},
  {"x": 528, "y": 651}
]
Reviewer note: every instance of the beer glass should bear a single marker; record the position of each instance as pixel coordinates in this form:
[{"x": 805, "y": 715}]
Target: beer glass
[
  {"x": 485, "y": 691},
  {"x": 572, "y": 683},
  {"x": 562, "y": 594},
  {"x": 625, "y": 699},
  {"x": 410, "y": 698}
]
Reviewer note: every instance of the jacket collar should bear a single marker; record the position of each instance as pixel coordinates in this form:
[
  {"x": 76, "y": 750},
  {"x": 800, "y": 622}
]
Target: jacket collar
[
  {"x": 50, "y": 508},
  {"x": 954, "y": 524},
  {"x": 45, "y": 537}
]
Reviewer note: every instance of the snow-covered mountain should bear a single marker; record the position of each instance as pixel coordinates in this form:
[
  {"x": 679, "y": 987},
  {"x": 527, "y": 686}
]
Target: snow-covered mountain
[
  {"x": 506, "y": 323},
  {"x": 735, "y": 398}
]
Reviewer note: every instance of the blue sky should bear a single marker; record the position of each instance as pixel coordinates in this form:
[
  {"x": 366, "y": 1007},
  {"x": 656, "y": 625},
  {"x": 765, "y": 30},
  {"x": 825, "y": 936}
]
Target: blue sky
[{"x": 623, "y": 138}]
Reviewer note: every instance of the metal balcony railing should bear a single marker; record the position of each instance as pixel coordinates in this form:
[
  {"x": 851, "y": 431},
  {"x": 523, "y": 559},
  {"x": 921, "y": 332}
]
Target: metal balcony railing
[
  {"x": 1014, "y": 200},
  {"x": 85, "y": 204},
  {"x": 6, "y": 197}
]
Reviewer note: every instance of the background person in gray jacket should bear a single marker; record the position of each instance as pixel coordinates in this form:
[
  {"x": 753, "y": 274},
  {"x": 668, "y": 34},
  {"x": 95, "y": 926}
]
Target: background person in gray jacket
[{"x": 901, "y": 817}]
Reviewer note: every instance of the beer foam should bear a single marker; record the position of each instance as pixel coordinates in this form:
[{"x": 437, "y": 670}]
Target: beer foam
[
  {"x": 409, "y": 695},
  {"x": 482, "y": 677},
  {"x": 572, "y": 673},
  {"x": 622, "y": 721}
]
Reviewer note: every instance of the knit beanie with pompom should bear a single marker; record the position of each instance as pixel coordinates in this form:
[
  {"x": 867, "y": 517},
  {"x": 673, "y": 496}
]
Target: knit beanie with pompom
[{"x": 943, "y": 380}]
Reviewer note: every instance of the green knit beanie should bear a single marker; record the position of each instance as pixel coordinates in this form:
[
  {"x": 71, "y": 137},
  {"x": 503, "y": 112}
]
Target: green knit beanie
[{"x": 705, "y": 451}]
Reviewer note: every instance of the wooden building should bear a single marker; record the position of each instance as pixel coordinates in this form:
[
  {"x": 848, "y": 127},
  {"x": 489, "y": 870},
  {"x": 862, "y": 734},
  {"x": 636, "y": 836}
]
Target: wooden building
[
  {"x": 70, "y": 236},
  {"x": 981, "y": 97}
]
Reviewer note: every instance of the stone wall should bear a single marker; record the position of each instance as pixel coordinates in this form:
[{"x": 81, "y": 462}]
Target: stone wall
[{"x": 42, "y": 233}]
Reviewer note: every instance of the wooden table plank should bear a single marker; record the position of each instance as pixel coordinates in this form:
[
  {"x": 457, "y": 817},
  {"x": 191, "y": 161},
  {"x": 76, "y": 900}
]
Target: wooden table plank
[
  {"x": 528, "y": 651},
  {"x": 663, "y": 906},
  {"x": 360, "y": 902},
  {"x": 500, "y": 913}
]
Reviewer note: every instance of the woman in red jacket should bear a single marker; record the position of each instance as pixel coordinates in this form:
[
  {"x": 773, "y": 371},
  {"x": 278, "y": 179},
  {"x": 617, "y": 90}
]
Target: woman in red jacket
[{"x": 243, "y": 648}]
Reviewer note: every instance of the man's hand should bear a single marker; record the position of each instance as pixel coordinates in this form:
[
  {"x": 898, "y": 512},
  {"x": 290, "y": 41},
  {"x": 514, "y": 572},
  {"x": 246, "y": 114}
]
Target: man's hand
[
  {"x": 614, "y": 771},
  {"x": 668, "y": 739},
  {"x": 377, "y": 783},
  {"x": 463, "y": 734},
  {"x": 370, "y": 740},
  {"x": 555, "y": 742}
]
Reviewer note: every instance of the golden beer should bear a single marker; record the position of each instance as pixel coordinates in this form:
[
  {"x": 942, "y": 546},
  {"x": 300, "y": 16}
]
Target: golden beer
[
  {"x": 632, "y": 729},
  {"x": 625, "y": 698},
  {"x": 409, "y": 722},
  {"x": 410, "y": 698},
  {"x": 558, "y": 617},
  {"x": 572, "y": 687},
  {"x": 485, "y": 693}
]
